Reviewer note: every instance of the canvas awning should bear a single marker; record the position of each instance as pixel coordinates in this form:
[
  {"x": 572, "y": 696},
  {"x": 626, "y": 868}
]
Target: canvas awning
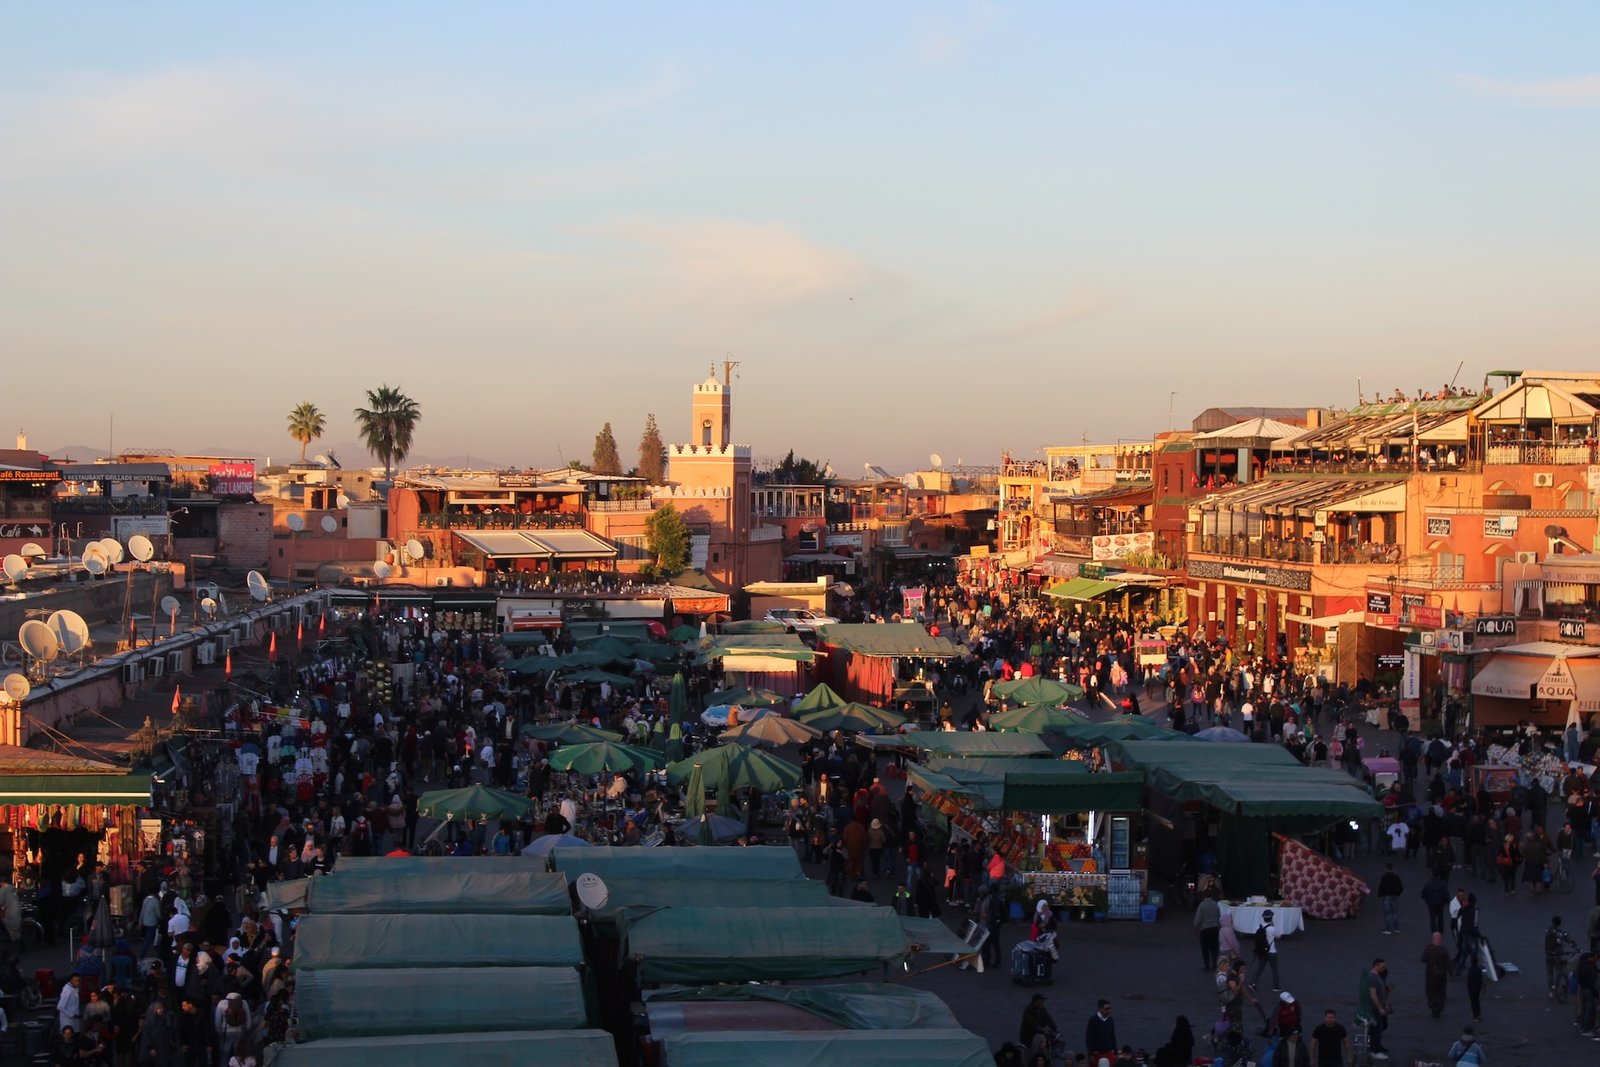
[
  {"x": 1039, "y": 786},
  {"x": 111, "y": 789},
  {"x": 325, "y": 942},
  {"x": 714, "y": 944},
  {"x": 1509, "y": 676},
  {"x": 438, "y": 1000},
  {"x": 570, "y": 1048},
  {"x": 573, "y": 544},
  {"x": 1082, "y": 589},
  {"x": 504, "y": 544},
  {"x": 1250, "y": 781},
  {"x": 510, "y": 891},
  {"x": 888, "y": 639}
]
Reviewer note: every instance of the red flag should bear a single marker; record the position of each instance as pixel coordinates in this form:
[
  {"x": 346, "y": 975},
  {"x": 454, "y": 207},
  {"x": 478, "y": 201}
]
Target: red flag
[
  {"x": 300, "y": 631},
  {"x": 177, "y": 698},
  {"x": 272, "y": 647},
  {"x": 227, "y": 665},
  {"x": 322, "y": 625}
]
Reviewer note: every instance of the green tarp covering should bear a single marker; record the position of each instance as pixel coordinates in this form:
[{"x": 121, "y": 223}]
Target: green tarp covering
[
  {"x": 778, "y": 646},
  {"x": 115, "y": 790},
  {"x": 751, "y": 626},
  {"x": 852, "y": 1005},
  {"x": 292, "y": 894},
  {"x": 1249, "y": 781},
  {"x": 1081, "y": 589},
  {"x": 881, "y": 1048},
  {"x": 1121, "y": 728},
  {"x": 961, "y": 743},
  {"x": 389, "y": 866},
  {"x": 570, "y": 1048},
  {"x": 678, "y": 891},
  {"x": 510, "y": 891},
  {"x": 761, "y": 944},
  {"x": 888, "y": 639},
  {"x": 766, "y": 863},
  {"x": 1039, "y": 786},
  {"x": 932, "y": 935},
  {"x": 339, "y": 941},
  {"x": 438, "y": 1000}
]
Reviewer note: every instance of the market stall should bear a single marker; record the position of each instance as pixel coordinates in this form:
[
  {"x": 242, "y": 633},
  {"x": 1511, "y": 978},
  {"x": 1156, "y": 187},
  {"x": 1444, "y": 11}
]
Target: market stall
[
  {"x": 868, "y": 661},
  {"x": 56, "y": 808},
  {"x": 711, "y": 944},
  {"x": 570, "y": 1048}
]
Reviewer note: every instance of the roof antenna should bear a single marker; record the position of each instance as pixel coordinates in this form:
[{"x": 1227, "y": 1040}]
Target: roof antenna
[{"x": 1360, "y": 397}]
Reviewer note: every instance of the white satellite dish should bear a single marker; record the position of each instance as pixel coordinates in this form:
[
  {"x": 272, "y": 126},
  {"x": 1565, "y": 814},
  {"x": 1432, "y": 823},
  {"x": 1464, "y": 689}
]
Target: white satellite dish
[
  {"x": 329, "y": 524},
  {"x": 169, "y": 605},
  {"x": 324, "y": 460},
  {"x": 70, "y": 629},
  {"x": 17, "y": 687},
  {"x": 208, "y": 606},
  {"x": 38, "y": 641},
  {"x": 414, "y": 549},
  {"x": 31, "y": 550},
  {"x": 112, "y": 548},
  {"x": 16, "y": 567},
  {"x": 381, "y": 569},
  {"x": 296, "y": 522},
  {"x": 342, "y": 500},
  {"x": 94, "y": 560},
  {"x": 592, "y": 891},
  {"x": 259, "y": 589},
  {"x": 937, "y": 460},
  {"x": 141, "y": 548}
]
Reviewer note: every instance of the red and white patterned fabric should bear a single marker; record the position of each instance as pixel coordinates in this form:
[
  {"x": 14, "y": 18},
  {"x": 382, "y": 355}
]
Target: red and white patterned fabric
[{"x": 1322, "y": 888}]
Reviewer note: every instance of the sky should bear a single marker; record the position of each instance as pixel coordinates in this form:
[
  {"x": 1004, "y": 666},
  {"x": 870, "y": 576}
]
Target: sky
[{"x": 920, "y": 228}]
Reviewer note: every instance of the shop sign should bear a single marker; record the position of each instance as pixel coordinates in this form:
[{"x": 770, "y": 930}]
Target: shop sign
[
  {"x": 1247, "y": 574},
  {"x": 1501, "y": 526},
  {"x": 233, "y": 479},
  {"x": 1391, "y": 661},
  {"x": 1572, "y": 629},
  {"x": 1450, "y": 641},
  {"x": 1424, "y": 615},
  {"x": 1116, "y": 546},
  {"x": 1439, "y": 525},
  {"x": 1495, "y": 626},
  {"x": 517, "y": 481},
  {"x": 1556, "y": 684},
  {"x": 1379, "y": 603},
  {"x": 1091, "y": 570},
  {"x": 1385, "y": 622},
  {"x": 24, "y": 529},
  {"x": 31, "y": 477}
]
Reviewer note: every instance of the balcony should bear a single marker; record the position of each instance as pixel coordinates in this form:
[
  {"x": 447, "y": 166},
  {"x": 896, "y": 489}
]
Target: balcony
[
  {"x": 1289, "y": 550},
  {"x": 1094, "y": 528},
  {"x": 1372, "y": 465},
  {"x": 776, "y": 512},
  {"x": 541, "y": 520},
  {"x": 24, "y": 509},
  {"x": 611, "y": 506},
  {"x": 1540, "y": 453}
]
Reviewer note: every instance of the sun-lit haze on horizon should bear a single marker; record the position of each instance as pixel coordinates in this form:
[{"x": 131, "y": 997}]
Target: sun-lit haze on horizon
[{"x": 919, "y": 227}]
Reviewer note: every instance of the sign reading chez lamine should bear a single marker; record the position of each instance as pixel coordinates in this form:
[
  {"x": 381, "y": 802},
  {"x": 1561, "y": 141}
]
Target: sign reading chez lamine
[
  {"x": 1556, "y": 683},
  {"x": 1249, "y": 574}
]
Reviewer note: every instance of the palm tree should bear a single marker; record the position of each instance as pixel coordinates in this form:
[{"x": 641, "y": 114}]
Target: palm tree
[
  {"x": 386, "y": 425},
  {"x": 306, "y": 424}
]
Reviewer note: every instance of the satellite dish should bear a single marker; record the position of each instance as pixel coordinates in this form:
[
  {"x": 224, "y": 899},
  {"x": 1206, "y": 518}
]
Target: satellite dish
[
  {"x": 259, "y": 589},
  {"x": 382, "y": 569},
  {"x": 112, "y": 548},
  {"x": 169, "y": 605},
  {"x": 414, "y": 549},
  {"x": 867, "y": 467},
  {"x": 70, "y": 629},
  {"x": 592, "y": 891},
  {"x": 94, "y": 560},
  {"x": 141, "y": 548},
  {"x": 31, "y": 550},
  {"x": 38, "y": 640},
  {"x": 937, "y": 460},
  {"x": 296, "y": 522},
  {"x": 17, "y": 687},
  {"x": 16, "y": 567},
  {"x": 324, "y": 460},
  {"x": 343, "y": 501},
  {"x": 208, "y": 606},
  {"x": 329, "y": 524}
]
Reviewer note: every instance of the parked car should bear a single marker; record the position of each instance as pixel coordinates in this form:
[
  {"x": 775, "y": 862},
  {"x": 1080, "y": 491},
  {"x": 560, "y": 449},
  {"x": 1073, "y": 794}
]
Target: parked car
[{"x": 799, "y": 620}]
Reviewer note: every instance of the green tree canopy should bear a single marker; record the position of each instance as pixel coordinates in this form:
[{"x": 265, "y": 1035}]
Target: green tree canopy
[
  {"x": 606, "y": 458},
  {"x": 387, "y": 424},
  {"x": 652, "y": 453},
  {"x": 667, "y": 537},
  {"x": 306, "y": 424},
  {"x": 797, "y": 471}
]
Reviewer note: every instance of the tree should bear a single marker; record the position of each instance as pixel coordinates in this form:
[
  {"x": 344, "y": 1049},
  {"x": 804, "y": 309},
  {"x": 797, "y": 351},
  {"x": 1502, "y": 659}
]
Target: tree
[
  {"x": 386, "y": 425},
  {"x": 795, "y": 471},
  {"x": 306, "y": 424},
  {"x": 606, "y": 458},
  {"x": 667, "y": 537},
  {"x": 652, "y": 453}
]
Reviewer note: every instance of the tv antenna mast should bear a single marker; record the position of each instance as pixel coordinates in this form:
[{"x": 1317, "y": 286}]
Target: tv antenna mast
[{"x": 727, "y": 372}]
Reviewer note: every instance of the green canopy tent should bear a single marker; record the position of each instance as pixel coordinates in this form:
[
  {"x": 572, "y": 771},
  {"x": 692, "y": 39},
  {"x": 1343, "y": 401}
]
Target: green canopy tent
[
  {"x": 820, "y": 698},
  {"x": 473, "y": 802},
  {"x": 515, "y": 888},
  {"x": 1037, "y": 691},
  {"x": 594, "y": 677},
  {"x": 760, "y": 944},
  {"x": 569, "y": 733},
  {"x": 751, "y": 626},
  {"x": 747, "y": 698},
  {"x": 882, "y": 1048},
  {"x": 438, "y": 1000},
  {"x": 961, "y": 743},
  {"x": 770, "y": 863},
  {"x": 570, "y": 1048},
  {"x": 1121, "y": 728},
  {"x": 678, "y": 699},
  {"x": 329, "y": 942},
  {"x": 683, "y": 634},
  {"x": 637, "y": 892},
  {"x": 1037, "y": 719},
  {"x": 600, "y": 757},
  {"x": 738, "y": 767},
  {"x": 854, "y": 718},
  {"x": 852, "y": 1005},
  {"x": 1045, "y": 786},
  {"x": 535, "y": 665}
]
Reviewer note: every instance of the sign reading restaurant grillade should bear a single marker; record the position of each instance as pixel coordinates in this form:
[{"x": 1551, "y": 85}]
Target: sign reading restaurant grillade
[{"x": 1250, "y": 574}]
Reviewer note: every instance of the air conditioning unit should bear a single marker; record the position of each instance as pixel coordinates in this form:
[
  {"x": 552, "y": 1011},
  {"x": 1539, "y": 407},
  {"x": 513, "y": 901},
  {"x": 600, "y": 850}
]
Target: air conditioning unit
[
  {"x": 205, "y": 653},
  {"x": 1527, "y": 557},
  {"x": 443, "y": 581},
  {"x": 175, "y": 663},
  {"x": 1543, "y": 479},
  {"x": 280, "y": 622},
  {"x": 132, "y": 673},
  {"x": 227, "y": 641},
  {"x": 155, "y": 667}
]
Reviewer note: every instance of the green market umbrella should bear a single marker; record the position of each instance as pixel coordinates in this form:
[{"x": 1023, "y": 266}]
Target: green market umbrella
[
  {"x": 819, "y": 699},
  {"x": 473, "y": 802},
  {"x": 684, "y": 634},
  {"x": 747, "y": 698},
  {"x": 1037, "y": 719},
  {"x": 535, "y": 664},
  {"x": 1037, "y": 691},
  {"x": 738, "y": 767},
  {"x": 771, "y": 730},
  {"x": 678, "y": 700},
  {"x": 694, "y": 801},
  {"x": 593, "y": 677},
  {"x": 711, "y": 829},
  {"x": 601, "y": 756},
  {"x": 569, "y": 733},
  {"x": 675, "y": 742},
  {"x": 853, "y": 717}
]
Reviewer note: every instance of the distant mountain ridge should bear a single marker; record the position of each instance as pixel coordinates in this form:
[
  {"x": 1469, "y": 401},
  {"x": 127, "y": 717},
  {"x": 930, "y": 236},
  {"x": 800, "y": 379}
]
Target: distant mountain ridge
[{"x": 348, "y": 453}]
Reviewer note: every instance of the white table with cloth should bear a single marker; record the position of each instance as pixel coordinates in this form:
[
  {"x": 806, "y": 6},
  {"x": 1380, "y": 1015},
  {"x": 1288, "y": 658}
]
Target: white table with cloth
[{"x": 1247, "y": 918}]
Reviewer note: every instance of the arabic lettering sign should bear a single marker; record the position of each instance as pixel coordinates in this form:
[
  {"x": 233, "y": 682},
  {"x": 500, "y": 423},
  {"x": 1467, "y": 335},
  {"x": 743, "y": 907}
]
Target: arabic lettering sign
[
  {"x": 1439, "y": 525},
  {"x": 1500, "y": 526},
  {"x": 233, "y": 479}
]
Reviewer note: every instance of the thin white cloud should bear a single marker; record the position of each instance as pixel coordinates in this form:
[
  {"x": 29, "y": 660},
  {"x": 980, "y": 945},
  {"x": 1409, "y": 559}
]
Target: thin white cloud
[
  {"x": 1078, "y": 307},
  {"x": 1582, "y": 91},
  {"x": 943, "y": 41}
]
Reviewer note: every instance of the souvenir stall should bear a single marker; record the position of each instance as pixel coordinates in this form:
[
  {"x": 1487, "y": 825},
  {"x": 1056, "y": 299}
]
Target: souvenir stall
[
  {"x": 1070, "y": 834},
  {"x": 55, "y": 808}
]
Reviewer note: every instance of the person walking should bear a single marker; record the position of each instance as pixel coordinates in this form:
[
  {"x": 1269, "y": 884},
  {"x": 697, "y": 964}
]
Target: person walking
[
  {"x": 1208, "y": 925},
  {"x": 1374, "y": 1009},
  {"x": 993, "y": 909},
  {"x": 1466, "y": 929},
  {"x": 1265, "y": 950},
  {"x": 1588, "y": 976},
  {"x": 1436, "y": 895},
  {"x": 1389, "y": 890},
  {"x": 1466, "y": 1052},
  {"x": 1100, "y": 1034},
  {"x": 1038, "y": 1028},
  {"x": 1330, "y": 1043},
  {"x": 1475, "y": 985},
  {"x": 1435, "y": 973}
]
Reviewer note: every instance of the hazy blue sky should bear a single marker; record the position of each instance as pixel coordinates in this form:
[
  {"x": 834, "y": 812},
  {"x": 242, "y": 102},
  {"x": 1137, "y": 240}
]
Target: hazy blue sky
[{"x": 920, "y": 227}]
